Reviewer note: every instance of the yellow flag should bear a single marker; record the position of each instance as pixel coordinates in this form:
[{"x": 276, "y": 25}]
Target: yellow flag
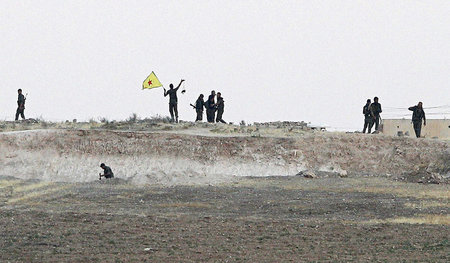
[{"x": 151, "y": 82}]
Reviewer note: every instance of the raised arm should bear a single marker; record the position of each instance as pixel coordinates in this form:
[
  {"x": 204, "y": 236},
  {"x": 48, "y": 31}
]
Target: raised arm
[
  {"x": 179, "y": 84},
  {"x": 412, "y": 108},
  {"x": 165, "y": 92}
]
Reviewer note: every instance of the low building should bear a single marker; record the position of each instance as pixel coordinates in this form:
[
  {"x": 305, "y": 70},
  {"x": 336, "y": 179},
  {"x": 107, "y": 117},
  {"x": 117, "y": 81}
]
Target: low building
[{"x": 435, "y": 128}]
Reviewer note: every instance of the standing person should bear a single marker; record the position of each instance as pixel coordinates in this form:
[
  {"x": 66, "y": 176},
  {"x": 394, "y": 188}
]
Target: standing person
[
  {"x": 211, "y": 107},
  {"x": 418, "y": 115},
  {"x": 207, "y": 110},
  {"x": 220, "y": 108},
  {"x": 375, "y": 107},
  {"x": 107, "y": 172},
  {"x": 368, "y": 117},
  {"x": 173, "y": 100},
  {"x": 199, "y": 104},
  {"x": 21, "y": 105}
]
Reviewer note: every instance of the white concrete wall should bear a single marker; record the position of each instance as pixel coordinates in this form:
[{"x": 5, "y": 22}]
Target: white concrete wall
[{"x": 434, "y": 129}]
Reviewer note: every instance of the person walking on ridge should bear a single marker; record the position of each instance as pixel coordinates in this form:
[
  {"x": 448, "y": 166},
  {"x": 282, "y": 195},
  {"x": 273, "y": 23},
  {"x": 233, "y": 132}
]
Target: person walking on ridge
[
  {"x": 417, "y": 117},
  {"x": 20, "y": 105}
]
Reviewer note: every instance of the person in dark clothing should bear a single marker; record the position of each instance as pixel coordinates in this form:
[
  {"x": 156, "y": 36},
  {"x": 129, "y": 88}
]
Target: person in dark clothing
[
  {"x": 199, "y": 105},
  {"x": 21, "y": 105},
  {"x": 173, "y": 100},
  {"x": 375, "y": 107},
  {"x": 368, "y": 117},
  {"x": 207, "y": 111},
  {"x": 418, "y": 115},
  {"x": 211, "y": 107},
  {"x": 220, "y": 108},
  {"x": 107, "y": 172}
]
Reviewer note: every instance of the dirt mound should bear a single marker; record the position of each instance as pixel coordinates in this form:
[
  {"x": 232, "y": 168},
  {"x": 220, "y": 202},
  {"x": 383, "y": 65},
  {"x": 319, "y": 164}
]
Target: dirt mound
[
  {"x": 424, "y": 177},
  {"x": 169, "y": 158}
]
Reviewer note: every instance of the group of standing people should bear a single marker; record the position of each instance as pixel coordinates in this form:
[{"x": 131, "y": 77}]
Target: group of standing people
[
  {"x": 371, "y": 110},
  {"x": 372, "y": 117},
  {"x": 371, "y": 113},
  {"x": 210, "y": 105}
]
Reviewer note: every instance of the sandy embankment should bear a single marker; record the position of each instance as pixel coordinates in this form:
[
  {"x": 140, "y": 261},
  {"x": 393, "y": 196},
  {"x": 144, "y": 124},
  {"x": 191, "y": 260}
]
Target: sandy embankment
[{"x": 170, "y": 158}]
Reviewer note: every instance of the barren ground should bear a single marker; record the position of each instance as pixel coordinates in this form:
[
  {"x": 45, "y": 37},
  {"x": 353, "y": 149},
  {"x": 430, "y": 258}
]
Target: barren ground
[{"x": 56, "y": 212}]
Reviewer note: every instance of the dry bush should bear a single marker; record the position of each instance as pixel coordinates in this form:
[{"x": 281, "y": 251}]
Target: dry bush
[{"x": 133, "y": 118}]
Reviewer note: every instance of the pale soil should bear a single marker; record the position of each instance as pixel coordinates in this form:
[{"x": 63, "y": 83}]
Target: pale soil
[
  {"x": 169, "y": 158},
  {"x": 213, "y": 194}
]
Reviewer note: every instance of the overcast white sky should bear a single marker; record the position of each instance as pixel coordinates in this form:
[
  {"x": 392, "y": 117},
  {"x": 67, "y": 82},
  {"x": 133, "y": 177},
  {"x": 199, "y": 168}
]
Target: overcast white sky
[{"x": 316, "y": 61}]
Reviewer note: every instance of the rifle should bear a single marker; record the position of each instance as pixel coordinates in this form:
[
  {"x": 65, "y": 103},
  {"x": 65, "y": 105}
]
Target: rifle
[{"x": 193, "y": 106}]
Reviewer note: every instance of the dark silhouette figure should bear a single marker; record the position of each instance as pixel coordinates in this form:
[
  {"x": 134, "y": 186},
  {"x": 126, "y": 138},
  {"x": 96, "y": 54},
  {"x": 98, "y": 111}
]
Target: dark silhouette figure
[
  {"x": 173, "y": 100},
  {"x": 107, "y": 172},
  {"x": 199, "y": 105},
  {"x": 368, "y": 117},
  {"x": 220, "y": 105},
  {"x": 211, "y": 107},
  {"x": 417, "y": 117},
  {"x": 21, "y": 105},
  {"x": 375, "y": 107}
]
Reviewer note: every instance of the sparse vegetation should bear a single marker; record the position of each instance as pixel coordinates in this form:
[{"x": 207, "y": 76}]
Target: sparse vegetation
[
  {"x": 103, "y": 120},
  {"x": 133, "y": 118},
  {"x": 187, "y": 194}
]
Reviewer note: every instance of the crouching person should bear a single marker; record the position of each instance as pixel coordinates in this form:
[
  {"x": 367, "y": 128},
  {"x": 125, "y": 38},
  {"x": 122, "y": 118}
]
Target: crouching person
[{"x": 107, "y": 172}]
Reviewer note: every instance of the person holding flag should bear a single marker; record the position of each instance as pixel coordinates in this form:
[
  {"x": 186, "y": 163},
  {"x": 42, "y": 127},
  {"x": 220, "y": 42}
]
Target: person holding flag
[
  {"x": 153, "y": 82},
  {"x": 173, "y": 100}
]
